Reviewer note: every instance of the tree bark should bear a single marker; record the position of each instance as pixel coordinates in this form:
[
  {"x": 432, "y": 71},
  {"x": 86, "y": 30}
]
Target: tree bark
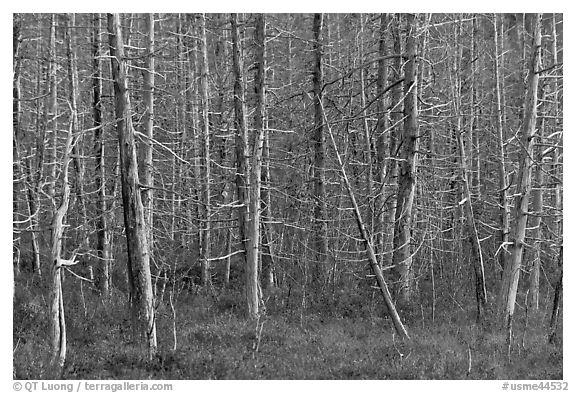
[{"x": 144, "y": 322}]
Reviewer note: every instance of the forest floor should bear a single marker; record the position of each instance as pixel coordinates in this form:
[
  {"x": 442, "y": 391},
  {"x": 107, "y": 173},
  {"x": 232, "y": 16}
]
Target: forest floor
[{"x": 215, "y": 341}]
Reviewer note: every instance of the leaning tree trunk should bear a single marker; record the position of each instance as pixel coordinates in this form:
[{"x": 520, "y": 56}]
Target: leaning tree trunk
[
  {"x": 523, "y": 187},
  {"x": 398, "y": 325},
  {"x": 143, "y": 318}
]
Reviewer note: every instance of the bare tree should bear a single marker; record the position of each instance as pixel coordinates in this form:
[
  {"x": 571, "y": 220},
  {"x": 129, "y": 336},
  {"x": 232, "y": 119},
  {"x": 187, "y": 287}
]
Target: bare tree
[
  {"x": 242, "y": 164},
  {"x": 148, "y": 98},
  {"x": 523, "y": 187},
  {"x": 205, "y": 154},
  {"x": 407, "y": 169},
  {"x": 504, "y": 231},
  {"x": 320, "y": 229},
  {"x": 103, "y": 245},
  {"x": 253, "y": 291},
  {"x": 143, "y": 318}
]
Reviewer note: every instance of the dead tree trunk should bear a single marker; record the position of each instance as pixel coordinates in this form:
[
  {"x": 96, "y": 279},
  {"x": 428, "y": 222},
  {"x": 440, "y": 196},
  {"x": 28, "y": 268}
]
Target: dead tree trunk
[
  {"x": 267, "y": 276},
  {"x": 502, "y": 182},
  {"x": 398, "y": 325},
  {"x": 407, "y": 170},
  {"x": 523, "y": 186},
  {"x": 320, "y": 230},
  {"x": 205, "y": 220},
  {"x": 103, "y": 246},
  {"x": 241, "y": 143},
  {"x": 148, "y": 98},
  {"x": 384, "y": 139},
  {"x": 143, "y": 318},
  {"x": 253, "y": 291},
  {"x": 56, "y": 301}
]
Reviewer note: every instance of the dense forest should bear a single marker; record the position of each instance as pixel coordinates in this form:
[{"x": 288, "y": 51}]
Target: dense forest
[{"x": 287, "y": 196}]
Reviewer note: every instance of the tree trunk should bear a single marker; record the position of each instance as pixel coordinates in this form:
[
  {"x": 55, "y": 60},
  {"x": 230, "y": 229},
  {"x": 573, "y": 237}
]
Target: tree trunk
[
  {"x": 148, "y": 98},
  {"x": 266, "y": 206},
  {"x": 320, "y": 226},
  {"x": 253, "y": 291},
  {"x": 103, "y": 246},
  {"x": 205, "y": 220},
  {"x": 395, "y": 112},
  {"x": 466, "y": 176},
  {"x": 398, "y": 325},
  {"x": 242, "y": 164},
  {"x": 74, "y": 102},
  {"x": 16, "y": 162},
  {"x": 557, "y": 298},
  {"x": 523, "y": 186},
  {"x": 502, "y": 182},
  {"x": 144, "y": 322},
  {"x": 56, "y": 301},
  {"x": 383, "y": 140},
  {"x": 52, "y": 104},
  {"x": 536, "y": 221},
  {"x": 407, "y": 174},
  {"x": 472, "y": 234}
]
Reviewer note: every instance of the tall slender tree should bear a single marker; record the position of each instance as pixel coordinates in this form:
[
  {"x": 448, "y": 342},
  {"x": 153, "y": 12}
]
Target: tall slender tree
[
  {"x": 103, "y": 243},
  {"x": 148, "y": 96},
  {"x": 143, "y": 318},
  {"x": 407, "y": 168},
  {"x": 511, "y": 274},
  {"x": 504, "y": 231},
  {"x": 205, "y": 154},
  {"x": 320, "y": 230},
  {"x": 253, "y": 291}
]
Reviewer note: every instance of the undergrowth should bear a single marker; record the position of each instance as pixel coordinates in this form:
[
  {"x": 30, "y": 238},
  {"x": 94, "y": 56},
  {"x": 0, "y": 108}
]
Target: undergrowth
[{"x": 215, "y": 341}]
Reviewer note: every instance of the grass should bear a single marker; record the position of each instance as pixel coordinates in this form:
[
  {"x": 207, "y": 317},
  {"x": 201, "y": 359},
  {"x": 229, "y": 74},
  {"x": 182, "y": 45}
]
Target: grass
[{"x": 216, "y": 342}]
